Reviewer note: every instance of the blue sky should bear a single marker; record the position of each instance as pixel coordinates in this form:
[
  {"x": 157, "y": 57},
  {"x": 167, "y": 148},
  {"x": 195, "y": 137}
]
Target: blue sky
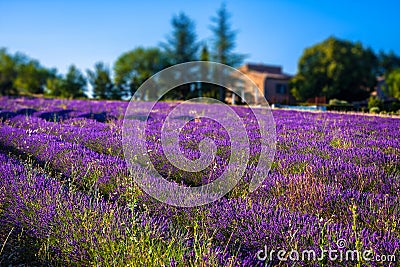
[{"x": 275, "y": 32}]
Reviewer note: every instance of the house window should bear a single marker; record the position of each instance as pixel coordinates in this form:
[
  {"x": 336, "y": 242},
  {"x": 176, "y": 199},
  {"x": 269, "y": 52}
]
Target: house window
[{"x": 281, "y": 88}]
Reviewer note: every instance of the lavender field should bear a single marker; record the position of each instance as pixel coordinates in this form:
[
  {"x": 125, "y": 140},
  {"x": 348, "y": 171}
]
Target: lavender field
[{"x": 67, "y": 197}]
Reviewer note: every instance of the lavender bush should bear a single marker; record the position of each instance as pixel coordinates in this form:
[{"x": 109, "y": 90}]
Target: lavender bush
[{"x": 66, "y": 190}]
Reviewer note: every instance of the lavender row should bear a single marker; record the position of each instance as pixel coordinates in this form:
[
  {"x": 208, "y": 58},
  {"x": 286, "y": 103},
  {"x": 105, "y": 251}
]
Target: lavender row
[
  {"x": 81, "y": 165},
  {"x": 104, "y": 138},
  {"x": 329, "y": 168},
  {"x": 79, "y": 230},
  {"x": 59, "y": 109},
  {"x": 338, "y": 175}
]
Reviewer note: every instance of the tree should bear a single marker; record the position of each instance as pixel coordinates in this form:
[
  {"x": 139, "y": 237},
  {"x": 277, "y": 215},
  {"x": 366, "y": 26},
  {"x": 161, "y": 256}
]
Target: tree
[
  {"x": 204, "y": 54},
  {"x": 392, "y": 87},
  {"x": 387, "y": 62},
  {"x": 223, "y": 39},
  {"x": 20, "y": 74},
  {"x": 54, "y": 86},
  {"x": 73, "y": 85},
  {"x": 206, "y": 89},
  {"x": 223, "y": 43},
  {"x": 336, "y": 69},
  {"x": 8, "y": 73},
  {"x": 181, "y": 45},
  {"x": 32, "y": 77},
  {"x": 102, "y": 84},
  {"x": 134, "y": 67}
]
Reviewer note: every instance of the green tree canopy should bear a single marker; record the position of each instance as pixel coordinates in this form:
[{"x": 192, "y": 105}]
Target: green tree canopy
[
  {"x": 204, "y": 54},
  {"x": 73, "y": 85},
  {"x": 393, "y": 83},
  {"x": 102, "y": 84},
  {"x": 223, "y": 40},
  {"x": 336, "y": 69},
  {"x": 387, "y": 62},
  {"x": 32, "y": 77},
  {"x": 223, "y": 44},
  {"x": 181, "y": 45},
  {"x": 134, "y": 67},
  {"x": 54, "y": 86},
  {"x": 20, "y": 74},
  {"x": 8, "y": 73}
]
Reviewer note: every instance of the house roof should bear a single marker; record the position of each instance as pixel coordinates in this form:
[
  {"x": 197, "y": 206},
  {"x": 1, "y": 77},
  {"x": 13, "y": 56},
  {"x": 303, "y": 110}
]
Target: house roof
[
  {"x": 269, "y": 71},
  {"x": 264, "y": 68}
]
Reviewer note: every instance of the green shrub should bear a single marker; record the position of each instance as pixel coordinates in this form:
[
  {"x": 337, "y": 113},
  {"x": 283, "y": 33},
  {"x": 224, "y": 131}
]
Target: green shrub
[
  {"x": 374, "y": 110},
  {"x": 374, "y": 102},
  {"x": 337, "y": 102},
  {"x": 340, "y": 105}
]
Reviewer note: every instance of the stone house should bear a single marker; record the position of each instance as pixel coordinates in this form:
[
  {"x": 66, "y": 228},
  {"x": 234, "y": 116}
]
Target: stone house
[{"x": 271, "y": 81}]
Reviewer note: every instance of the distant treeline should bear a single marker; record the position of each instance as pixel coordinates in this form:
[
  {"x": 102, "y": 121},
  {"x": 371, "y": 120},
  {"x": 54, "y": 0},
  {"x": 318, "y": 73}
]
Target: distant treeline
[
  {"x": 333, "y": 68},
  {"x": 21, "y": 75}
]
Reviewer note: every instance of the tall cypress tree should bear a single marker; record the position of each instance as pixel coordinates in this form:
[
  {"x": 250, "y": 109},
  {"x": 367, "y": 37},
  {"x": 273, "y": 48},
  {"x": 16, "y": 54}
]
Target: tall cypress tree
[
  {"x": 204, "y": 54},
  {"x": 223, "y": 43},
  {"x": 181, "y": 45}
]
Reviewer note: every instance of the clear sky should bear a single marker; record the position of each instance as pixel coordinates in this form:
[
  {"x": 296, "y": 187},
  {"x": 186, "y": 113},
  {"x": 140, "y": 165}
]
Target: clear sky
[{"x": 59, "y": 33}]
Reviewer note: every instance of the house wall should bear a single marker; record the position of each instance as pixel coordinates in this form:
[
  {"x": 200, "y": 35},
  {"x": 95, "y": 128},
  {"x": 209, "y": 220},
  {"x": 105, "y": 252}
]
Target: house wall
[
  {"x": 267, "y": 78},
  {"x": 249, "y": 89},
  {"x": 274, "y": 96}
]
